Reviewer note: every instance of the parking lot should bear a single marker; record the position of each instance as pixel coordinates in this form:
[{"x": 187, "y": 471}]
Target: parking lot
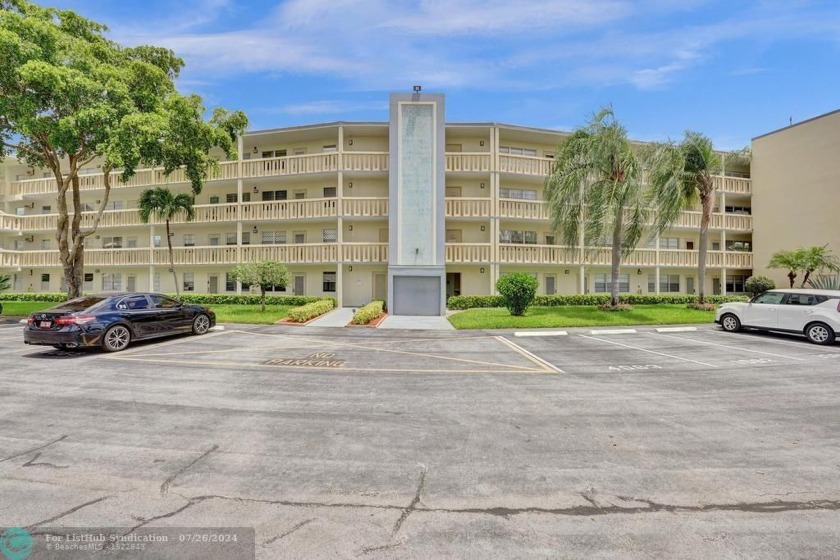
[{"x": 364, "y": 443}]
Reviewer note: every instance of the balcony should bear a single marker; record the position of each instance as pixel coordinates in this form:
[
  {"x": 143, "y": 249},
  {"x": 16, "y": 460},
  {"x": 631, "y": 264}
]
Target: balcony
[
  {"x": 523, "y": 209},
  {"x": 9, "y": 222},
  {"x": 468, "y": 253},
  {"x": 524, "y": 165},
  {"x": 365, "y": 207},
  {"x": 290, "y": 165},
  {"x": 364, "y": 252},
  {"x": 290, "y": 209},
  {"x": 463, "y": 162},
  {"x": 553, "y": 254},
  {"x": 364, "y": 161},
  {"x": 468, "y": 208}
]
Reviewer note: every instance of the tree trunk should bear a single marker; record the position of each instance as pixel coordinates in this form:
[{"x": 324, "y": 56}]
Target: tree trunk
[
  {"x": 172, "y": 260},
  {"x": 805, "y": 278},
  {"x": 73, "y": 271},
  {"x": 616, "y": 257},
  {"x": 791, "y": 276},
  {"x": 262, "y": 297},
  {"x": 707, "y": 201}
]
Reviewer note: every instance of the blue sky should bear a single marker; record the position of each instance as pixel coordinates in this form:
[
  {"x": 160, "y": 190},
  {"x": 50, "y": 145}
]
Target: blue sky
[{"x": 731, "y": 69}]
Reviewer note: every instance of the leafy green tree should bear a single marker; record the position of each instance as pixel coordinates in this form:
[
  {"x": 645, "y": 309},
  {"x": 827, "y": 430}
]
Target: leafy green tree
[
  {"x": 5, "y": 284},
  {"x": 70, "y": 97},
  {"x": 518, "y": 291},
  {"x": 163, "y": 204},
  {"x": 758, "y": 285},
  {"x": 264, "y": 274},
  {"x": 792, "y": 261},
  {"x": 595, "y": 192}
]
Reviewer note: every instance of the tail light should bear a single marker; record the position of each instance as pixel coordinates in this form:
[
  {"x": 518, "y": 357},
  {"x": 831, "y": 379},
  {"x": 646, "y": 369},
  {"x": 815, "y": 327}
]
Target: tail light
[
  {"x": 30, "y": 320},
  {"x": 74, "y": 319}
]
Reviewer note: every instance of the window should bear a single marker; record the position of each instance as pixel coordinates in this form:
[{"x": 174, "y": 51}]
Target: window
[
  {"x": 299, "y": 151},
  {"x": 517, "y": 151},
  {"x": 300, "y": 237},
  {"x": 230, "y": 239},
  {"x": 131, "y": 283},
  {"x": 189, "y": 281},
  {"x": 231, "y": 197},
  {"x": 549, "y": 239},
  {"x": 667, "y": 283},
  {"x": 300, "y": 195},
  {"x": 735, "y": 283},
  {"x": 274, "y": 153},
  {"x": 329, "y": 281},
  {"x": 330, "y": 148},
  {"x": 715, "y": 245},
  {"x": 45, "y": 278},
  {"x": 115, "y": 205},
  {"x": 330, "y": 236},
  {"x": 603, "y": 283},
  {"x": 802, "y": 299},
  {"x": 112, "y": 242},
  {"x": 213, "y": 239},
  {"x": 156, "y": 282},
  {"x": 771, "y": 298},
  {"x": 738, "y": 210},
  {"x": 246, "y": 238},
  {"x": 665, "y": 243},
  {"x": 214, "y": 200},
  {"x": 189, "y": 240},
  {"x": 133, "y": 303},
  {"x": 329, "y": 192},
  {"x": 517, "y": 236},
  {"x": 162, "y": 302},
  {"x": 273, "y": 237},
  {"x": 745, "y": 246},
  {"x": 268, "y": 196},
  {"x": 157, "y": 240},
  {"x": 131, "y": 242},
  {"x": 246, "y": 197},
  {"x": 88, "y": 279},
  {"x": 230, "y": 283},
  {"x": 45, "y": 244},
  {"x": 517, "y": 194},
  {"x": 46, "y": 209},
  {"x": 112, "y": 282}
]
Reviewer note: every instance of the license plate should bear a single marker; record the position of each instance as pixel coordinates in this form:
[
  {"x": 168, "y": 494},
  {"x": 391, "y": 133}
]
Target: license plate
[{"x": 45, "y": 324}]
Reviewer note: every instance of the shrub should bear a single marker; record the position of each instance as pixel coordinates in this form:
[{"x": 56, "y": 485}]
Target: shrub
[
  {"x": 758, "y": 285},
  {"x": 368, "y": 313},
  {"x": 310, "y": 310},
  {"x": 560, "y": 300},
  {"x": 619, "y": 307},
  {"x": 518, "y": 291}
]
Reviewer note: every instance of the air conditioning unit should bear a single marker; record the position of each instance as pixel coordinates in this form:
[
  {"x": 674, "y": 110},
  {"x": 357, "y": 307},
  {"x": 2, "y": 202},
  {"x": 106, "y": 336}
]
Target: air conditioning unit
[{"x": 29, "y": 239}]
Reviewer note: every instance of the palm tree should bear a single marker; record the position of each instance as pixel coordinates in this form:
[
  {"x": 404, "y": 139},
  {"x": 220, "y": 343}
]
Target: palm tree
[
  {"x": 679, "y": 176},
  {"x": 817, "y": 259},
  {"x": 595, "y": 191},
  {"x": 161, "y": 203},
  {"x": 792, "y": 261},
  {"x": 5, "y": 283}
]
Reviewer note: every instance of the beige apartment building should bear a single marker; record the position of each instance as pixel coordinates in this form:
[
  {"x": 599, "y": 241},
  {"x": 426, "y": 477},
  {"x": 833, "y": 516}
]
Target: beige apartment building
[{"x": 324, "y": 199}]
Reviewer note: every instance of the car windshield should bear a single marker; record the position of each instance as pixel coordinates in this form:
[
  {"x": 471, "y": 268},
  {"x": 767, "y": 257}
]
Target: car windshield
[{"x": 78, "y": 304}]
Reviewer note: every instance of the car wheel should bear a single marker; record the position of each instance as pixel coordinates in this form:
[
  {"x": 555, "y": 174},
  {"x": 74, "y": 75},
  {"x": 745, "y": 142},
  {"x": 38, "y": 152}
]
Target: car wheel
[
  {"x": 201, "y": 324},
  {"x": 819, "y": 333},
  {"x": 116, "y": 338},
  {"x": 730, "y": 323}
]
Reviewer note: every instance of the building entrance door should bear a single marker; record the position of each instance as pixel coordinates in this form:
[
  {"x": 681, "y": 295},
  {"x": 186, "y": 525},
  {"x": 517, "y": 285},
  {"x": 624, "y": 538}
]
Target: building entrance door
[
  {"x": 299, "y": 284},
  {"x": 213, "y": 285},
  {"x": 716, "y": 286},
  {"x": 380, "y": 286},
  {"x": 689, "y": 284},
  {"x": 453, "y": 284}
]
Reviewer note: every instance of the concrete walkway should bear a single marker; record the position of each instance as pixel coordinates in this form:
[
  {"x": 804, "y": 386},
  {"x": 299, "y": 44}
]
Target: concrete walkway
[{"x": 341, "y": 316}]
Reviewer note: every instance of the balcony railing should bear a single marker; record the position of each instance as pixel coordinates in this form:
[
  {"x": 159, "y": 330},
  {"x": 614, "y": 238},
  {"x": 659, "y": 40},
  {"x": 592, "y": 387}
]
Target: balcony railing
[
  {"x": 468, "y": 208},
  {"x": 364, "y": 207},
  {"x": 290, "y": 209},
  {"x": 364, "y": 161},
  {"x": 468, "y": 162},
  {"x": 8, "y": 222},
  {"x": 364, "y": 252},
  {"x": 524, "y": 165},
  {"x": 290, "y": 165},
  {"x": 523, "y": 209},
  {"x": 468, "y": 253}
]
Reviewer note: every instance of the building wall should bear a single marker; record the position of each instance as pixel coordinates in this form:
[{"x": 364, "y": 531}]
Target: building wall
[{"x": 796, "y": 171}]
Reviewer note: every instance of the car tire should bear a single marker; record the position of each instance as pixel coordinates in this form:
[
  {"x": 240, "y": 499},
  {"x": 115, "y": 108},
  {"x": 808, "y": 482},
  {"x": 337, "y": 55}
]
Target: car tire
[
  {"x": 201, "y": 324},
  {"x": 730, "y": 323},
  {"x": 116, "y": 338},
  {"x": 819, "y": 333}
]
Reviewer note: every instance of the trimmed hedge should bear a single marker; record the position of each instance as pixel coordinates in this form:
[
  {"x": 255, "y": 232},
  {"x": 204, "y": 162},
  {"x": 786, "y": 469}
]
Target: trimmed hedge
[
  {"x": 368, "y": 313},
  {"x": 311, "y": 310},
  {"x": 469, "y": 302},
  {"x": 201, "y": 299}
]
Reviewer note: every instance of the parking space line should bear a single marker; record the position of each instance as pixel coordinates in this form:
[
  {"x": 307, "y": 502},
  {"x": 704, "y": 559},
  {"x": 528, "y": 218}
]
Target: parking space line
[
  {"x": 614, "y": 331},
  {"x": 730, "y": 347},
  {"x": 649, "y": 351},
  {"x": 805, "y": 345},
  {"x": 541, "y": 333},
  {"x": 677, "y": 329},
  {"x": 533, "y": 357}
]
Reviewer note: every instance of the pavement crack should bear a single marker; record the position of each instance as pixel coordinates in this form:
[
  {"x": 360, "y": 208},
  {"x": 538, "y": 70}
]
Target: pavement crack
[
  {"x": 587, "y": 495},
  {"x": 413, "y": 505},
  {"x": 190, "y": 503},
  {"x": 289, "y": 532},
  {"x": 68, "y": 512},
  {"x": 292, "y": 503},
  {"x": 371, "y": 549},
  {"x": 164, "y": 488},
  {"x": 32, "y": 463},
  {"x": 28, "y": 451}
]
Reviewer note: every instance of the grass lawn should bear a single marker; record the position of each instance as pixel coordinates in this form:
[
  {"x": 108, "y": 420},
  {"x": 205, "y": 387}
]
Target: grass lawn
[
  {"x": 229, "y": 313},
  {"x": 579, "y": 316}
]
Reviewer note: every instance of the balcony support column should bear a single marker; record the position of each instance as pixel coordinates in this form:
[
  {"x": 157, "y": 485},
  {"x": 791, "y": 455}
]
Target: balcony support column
[
  {"x": 657, "y": 270},
  {"x": 339, "y": 263},
  {"x": 723, "y": 281},
  {"x": 151, "y": 258}
]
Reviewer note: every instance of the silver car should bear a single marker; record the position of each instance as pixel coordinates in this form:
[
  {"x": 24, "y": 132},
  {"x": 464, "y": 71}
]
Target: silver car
[{"x": 813, "y": 313}]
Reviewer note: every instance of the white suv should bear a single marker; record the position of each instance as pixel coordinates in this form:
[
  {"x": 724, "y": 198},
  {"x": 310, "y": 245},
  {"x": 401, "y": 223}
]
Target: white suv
[{"x": 814, "y": 313}]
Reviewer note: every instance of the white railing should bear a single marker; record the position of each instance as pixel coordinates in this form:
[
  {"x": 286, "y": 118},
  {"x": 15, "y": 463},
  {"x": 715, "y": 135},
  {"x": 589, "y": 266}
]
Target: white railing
[
  {"x": 9, "y": 222},
  {"x": 467, "y": 162},
  {"x": 735, "y": 185},
  {"x": 373, "y": 207},
  {"x": 290, "y": 165},
  {"x": 10, "y": 259},
  {"x": 523, "y": 209},
  {"x": 364, "y": 252},
  {"x": 290, "y": 209},
  {"x": 537, "y": 254},
  {"x": 468, "y": 208},
  {"x": 524, "y": 165},
  {"x": 292, "y": 254},
  {"x": 478, "y": 253},
  {"x": 364, "y": 161}
]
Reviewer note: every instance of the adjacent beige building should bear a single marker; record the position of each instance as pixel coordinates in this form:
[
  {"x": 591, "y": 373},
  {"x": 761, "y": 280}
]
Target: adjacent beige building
[
  {"x": 317, "y": 198},
  {"x": 796, "y": 171}
]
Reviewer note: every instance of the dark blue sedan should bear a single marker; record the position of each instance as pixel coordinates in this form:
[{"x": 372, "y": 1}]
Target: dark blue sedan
[{"x": 112, "y": 321}]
